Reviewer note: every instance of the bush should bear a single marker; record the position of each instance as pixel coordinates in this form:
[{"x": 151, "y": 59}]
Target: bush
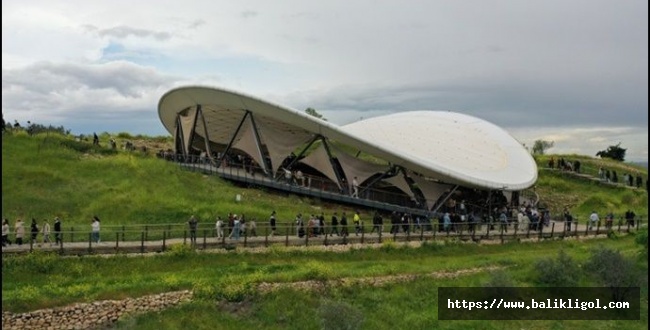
[
  {"x": 339, "y": 315},
  {"x": 560, "y": 272},
  {"x": 181, "y": 250},
  {"x": 500, "y": 279},
  {"x": 610, "y": 269}
]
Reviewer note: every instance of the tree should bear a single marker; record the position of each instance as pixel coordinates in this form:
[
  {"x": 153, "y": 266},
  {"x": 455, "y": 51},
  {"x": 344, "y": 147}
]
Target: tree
[
  {"x": 540, "y": 146},
  {"x": 613, "y": 152},
  {"x": 313, "y": 112}
]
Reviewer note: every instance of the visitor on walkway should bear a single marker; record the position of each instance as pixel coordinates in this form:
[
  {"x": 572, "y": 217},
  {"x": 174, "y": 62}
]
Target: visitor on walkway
[
  {"x": 193, "y": 224},
  {"x": 95, "y": 229}
]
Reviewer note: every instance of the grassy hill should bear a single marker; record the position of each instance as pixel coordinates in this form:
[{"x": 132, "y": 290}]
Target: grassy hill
[{"x": 49, "y": 175}]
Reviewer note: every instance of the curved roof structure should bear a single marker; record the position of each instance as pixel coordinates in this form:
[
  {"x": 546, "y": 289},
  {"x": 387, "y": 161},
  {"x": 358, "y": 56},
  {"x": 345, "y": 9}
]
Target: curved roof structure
[{"x": 443, "y": 147}]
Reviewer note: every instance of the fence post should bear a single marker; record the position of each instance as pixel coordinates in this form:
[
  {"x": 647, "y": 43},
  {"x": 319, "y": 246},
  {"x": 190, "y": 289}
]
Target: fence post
[
  {"x": 72, "y": 234},
  {"x": 421, "y": 233},
  {"x": 597, "y": 228},
  {"x": 435, "y": 228},
  {"x": 117, "y": 241},
  {"x": 90, "y": 242},
  {"x": 552, "y": 229},
  {"x": 142, "y": 242},
  {"x": 61, "y": 244},
  {"x": 185, "y": 237},
  {"x": 501, "y": 235},
  {"x": 286, "y": 239},
  {"x": 123, "y": 231},
  {"x": 381, "y": 232},
  {"x": 164, "y": 240},
  {"x": 266, "y": 236},
  {"x": 575, "y": 230},
  {"x": 146, "y": 232}
]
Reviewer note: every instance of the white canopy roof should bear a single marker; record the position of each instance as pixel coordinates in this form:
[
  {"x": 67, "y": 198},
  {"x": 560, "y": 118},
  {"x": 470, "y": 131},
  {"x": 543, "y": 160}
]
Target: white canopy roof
[{"x": 444, "y": 146}]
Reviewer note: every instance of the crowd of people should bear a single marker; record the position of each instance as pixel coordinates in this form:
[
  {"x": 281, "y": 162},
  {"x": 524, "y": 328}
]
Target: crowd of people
[
  {"x": 44, "y": 229},
  {"x": 604, "y": 174}
]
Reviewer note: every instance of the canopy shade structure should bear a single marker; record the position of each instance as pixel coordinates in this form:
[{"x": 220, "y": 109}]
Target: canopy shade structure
[{"x": 444, "y": 147}]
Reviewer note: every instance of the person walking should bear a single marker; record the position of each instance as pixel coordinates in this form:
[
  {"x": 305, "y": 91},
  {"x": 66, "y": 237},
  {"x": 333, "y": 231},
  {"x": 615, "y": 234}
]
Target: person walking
[
  {"x": 344, "y": 225},
  {"x": 272, "y": 224},
  {"x": 57, "y": 231},
  {"x": 193, "y": 223},
  {"x": 593, "y": 220},
  {"x": 355, "y": 187},
  {"x": 335, "y": 225},
  {"x": 252, "y": 228},
  {"x": 357, "y": 223},
  {"x": 19, "y": 230},
  {"x": 46, "y": 232},
  {"x": 219, "y": 227},
  {"x": 34, "y": 230},
  {"x": 95, "y": 229},
  {"x": 5, "y": 232}
]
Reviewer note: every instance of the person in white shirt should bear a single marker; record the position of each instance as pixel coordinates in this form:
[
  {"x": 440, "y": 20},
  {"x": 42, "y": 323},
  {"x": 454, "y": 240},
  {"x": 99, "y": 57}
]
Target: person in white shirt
[
  {"x": 355, "y": 188},
  {"x": 46, "y": 231},
  {"x": 5, "y": 232},
  {"x": 219, "y": 227},
  {"x": 95, "y": 229},
  {"x": 593, "y": 219}
]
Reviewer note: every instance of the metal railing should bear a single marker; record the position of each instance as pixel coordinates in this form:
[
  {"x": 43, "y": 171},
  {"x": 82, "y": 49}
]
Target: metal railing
[{"x": 158, "y": 238}]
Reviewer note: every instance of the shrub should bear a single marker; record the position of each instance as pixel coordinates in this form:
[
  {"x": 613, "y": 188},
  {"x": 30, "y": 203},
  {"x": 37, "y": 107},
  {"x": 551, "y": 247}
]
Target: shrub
[
  {"x": 611, "y": 269},
  {"x": 500, "y": 279},
  {"x": 339, "y": 315},
  {"x": 561, "y": 272},
  {"x": 181, "y": 250},
  {"x": 233, "y": 288}
]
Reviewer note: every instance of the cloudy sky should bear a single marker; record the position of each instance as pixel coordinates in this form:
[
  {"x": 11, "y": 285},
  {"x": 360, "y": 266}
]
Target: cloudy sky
[{"x": 572, "y": 72}]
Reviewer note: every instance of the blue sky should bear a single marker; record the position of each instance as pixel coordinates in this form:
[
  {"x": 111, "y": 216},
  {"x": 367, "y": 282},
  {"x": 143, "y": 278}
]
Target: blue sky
[{"x": 574, "y": 72}]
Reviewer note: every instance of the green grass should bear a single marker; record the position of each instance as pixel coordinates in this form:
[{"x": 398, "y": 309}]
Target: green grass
[
  {"x": 402, "y": 305},
  {"x": 52, "y": 175},
  {"x": 43, "y": 280},
  {"x": 48, "y": 176}
]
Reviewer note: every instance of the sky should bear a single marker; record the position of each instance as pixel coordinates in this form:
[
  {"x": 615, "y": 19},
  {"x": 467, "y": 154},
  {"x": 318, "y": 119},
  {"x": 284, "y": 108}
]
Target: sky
[{"x": 571, "y": 72}]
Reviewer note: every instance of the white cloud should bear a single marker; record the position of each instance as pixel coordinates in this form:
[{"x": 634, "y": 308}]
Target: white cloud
[{"x": 542, "y": 64}]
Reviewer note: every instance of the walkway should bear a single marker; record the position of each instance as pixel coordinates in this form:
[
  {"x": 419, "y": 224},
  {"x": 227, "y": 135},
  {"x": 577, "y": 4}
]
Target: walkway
[
  {"x": 239, "y": 175},
  {"x": 205, "y": 242}
]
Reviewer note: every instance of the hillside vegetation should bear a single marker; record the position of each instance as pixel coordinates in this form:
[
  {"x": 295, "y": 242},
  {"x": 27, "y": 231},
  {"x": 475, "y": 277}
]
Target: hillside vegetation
[{"x": 49, "y": 175}]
